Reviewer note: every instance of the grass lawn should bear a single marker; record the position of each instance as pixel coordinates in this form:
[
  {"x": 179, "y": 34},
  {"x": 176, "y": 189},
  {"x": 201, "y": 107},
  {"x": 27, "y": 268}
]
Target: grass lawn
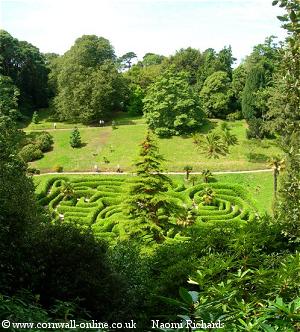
[
  {"x": 120, "y": 147},
  {"x": 46, "y": 122}
]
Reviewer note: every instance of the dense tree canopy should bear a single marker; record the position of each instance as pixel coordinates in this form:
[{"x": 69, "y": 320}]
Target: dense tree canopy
[
  {"x": 25, "y": 65},
  {"x": 286, "y": 116},
  {"x": 216, "y": 95},
  {"x": 88, "y": 83},
  {"x": 171, "y": 107},
  {"x": 8, "y": 97}
]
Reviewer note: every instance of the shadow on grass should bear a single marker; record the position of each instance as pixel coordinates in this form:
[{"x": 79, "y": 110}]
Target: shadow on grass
[
  {"x": 44, "y": 115},
  {"x": 257, "y": 157},
  {"x": 207, "y": 126}
]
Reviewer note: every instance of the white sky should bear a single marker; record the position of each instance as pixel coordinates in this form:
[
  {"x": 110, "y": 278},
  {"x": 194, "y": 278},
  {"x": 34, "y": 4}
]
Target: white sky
[{"x": 141, "y": 26}]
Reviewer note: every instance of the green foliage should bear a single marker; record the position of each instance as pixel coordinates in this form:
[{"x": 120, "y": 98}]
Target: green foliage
[
  {"x": 126, "y": 60},
  {"x": 58, "y": 169},
  {"x": 150, "y": 59},
  {"x": 18, "y": 212},
  {"x": 30, "y": 152},
  {"x": 207, "y": 175},
  {"x": 216, "y": 95},
  {"x": 286, "y": 120},
  {"x": 188, "y": 60},
  {"x": 35, "y": 117},
  {"x": 229, "y": 138},
  {"x": 212, "y": 145},
  {"x": 187, "y": 169},
  {"x": 147, "y": 193},
  {"x": 26, "y": 67},
  {"x": 212, "y": 62},
  {"x": 8, "y": 97},
  {"x": 135, "y": 103},
  {"x": 75, "y": 138},
  {"x": 44, "y": 141},
  {"x": 238, "y": 83},
  {"x": 88, "y": 83},
  {"x": 208, "y": 197},
  {"x": 262, "y": 66},
  {"x": 71, "y": 258},
  {"x": 255, "y": 80},
  {"x": 171, "y": 107}
]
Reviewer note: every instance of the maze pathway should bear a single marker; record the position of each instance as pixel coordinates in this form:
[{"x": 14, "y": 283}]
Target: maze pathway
[{"x": 99, "y": 203}]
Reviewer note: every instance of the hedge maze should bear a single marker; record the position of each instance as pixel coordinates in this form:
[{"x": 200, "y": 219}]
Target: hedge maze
[{"x": 97, "y": 202}]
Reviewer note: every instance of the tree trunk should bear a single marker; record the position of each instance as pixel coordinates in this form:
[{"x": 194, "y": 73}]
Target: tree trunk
[{"x": 275, "y": 182}]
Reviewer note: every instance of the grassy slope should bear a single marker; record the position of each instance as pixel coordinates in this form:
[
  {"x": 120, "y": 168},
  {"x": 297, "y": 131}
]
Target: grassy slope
[
  {"x": 260, "y": 185},
  {"x": 120, "y": 147}
]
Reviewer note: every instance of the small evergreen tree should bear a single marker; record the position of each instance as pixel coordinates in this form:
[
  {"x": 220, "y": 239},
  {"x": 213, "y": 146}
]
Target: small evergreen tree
[
  {"x": 75, "y": 138},
  {"x": 35, "y": 117},
  {"x": 147, "y": 193}
]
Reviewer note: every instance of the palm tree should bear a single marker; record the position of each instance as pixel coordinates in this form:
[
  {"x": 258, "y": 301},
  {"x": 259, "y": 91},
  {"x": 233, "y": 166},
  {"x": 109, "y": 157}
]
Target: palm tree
[
  {"x": 213, "y": 145},
  {"x": 193, "y": 179},
  {"x": 208, "y": 196},
  {"x": 206, "y": 174},
  {"x": 187, "y": 169},
  {"x": 277, "y": 164},
  {"x": 229, "y": 138},
  {"x": 68, "y": 190}
]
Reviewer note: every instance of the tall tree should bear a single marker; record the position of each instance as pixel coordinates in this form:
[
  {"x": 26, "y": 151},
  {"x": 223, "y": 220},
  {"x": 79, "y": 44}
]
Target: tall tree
[
  {"x": 277, "y": 164},
  {"x": 212, "y": 145},
  {"x": 216, "y": 95},
  {"x": 9, "y": 94},
  {"x": 147, "y": 193},
  {"x": 254, "y": 82},
  {"x": 26, "y": 66},
  {"x": 211, "y": 61},
  {"x": 171, "y": 107},
  {"x": 150, "y": 59},
  {"x": 89, "y": 86},
  {"x": 17, "y": 204},
  {"x": 288, "y": 211},
  {"x": 126, "y": 60},
  {"x": 188, "y": 60},
  {"x": 238, "y": 83}
]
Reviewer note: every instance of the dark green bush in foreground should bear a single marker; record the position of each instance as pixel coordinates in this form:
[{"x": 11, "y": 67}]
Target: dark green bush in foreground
[{"x": 31, "y": 152}]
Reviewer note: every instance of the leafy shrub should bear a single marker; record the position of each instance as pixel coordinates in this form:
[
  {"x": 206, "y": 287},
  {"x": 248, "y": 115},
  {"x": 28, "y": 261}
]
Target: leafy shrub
[
  {"x": 32, "y": 170},
  {"x": 31, "y": 152},
  {"x": 44, "y": 141},
  {"x": 234, "y": 116},
  {"x": 66, "y": 263},
  {"x": 164, "y": 132},
  {"x": 58, "y": 169}
]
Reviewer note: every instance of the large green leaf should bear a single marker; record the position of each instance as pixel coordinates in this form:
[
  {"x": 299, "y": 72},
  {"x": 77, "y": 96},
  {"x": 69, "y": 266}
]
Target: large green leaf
[{"x": 186, "y": 296}]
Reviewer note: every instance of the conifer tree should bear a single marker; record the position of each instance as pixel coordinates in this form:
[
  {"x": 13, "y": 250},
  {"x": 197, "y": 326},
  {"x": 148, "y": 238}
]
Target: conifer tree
[
  {"x": 147, "y": 193},
  {"x": 75, "y": 138},
  {"x": 35, "y": 117}
]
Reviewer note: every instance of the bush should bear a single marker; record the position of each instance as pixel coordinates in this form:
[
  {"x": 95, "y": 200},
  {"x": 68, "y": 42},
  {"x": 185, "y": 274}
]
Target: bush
[
  {"x": 58, "y": 169},
  {"x": 30, "y": 152},
  {"x": 257, "y": 129},
  {"x": 235, "y": 116},
  {"x": 44, "y": 141},
  {"x": 164, "y": 132},
  {"x": 33, "y": 171},
  {"x": 66, "y": 263}
]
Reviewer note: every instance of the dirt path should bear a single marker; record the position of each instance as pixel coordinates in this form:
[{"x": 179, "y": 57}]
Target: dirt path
[{"x": 167, "y": 173}]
